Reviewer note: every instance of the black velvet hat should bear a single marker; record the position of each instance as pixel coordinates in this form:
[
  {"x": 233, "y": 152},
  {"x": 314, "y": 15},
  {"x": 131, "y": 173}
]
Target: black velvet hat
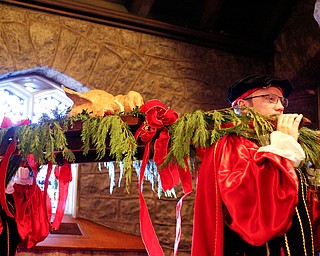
[{"x": 256, "y": 81}]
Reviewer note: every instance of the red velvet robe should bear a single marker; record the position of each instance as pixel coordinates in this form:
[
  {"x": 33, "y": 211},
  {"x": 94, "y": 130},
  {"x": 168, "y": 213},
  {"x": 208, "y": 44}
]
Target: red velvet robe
[{"x": 258, "y": 189}]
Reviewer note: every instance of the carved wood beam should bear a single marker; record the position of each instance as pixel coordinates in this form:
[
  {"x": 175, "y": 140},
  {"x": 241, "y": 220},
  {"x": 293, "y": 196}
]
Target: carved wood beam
[
  {"x": 209, "y": 12},
  {"x": 141, "y": 7}
]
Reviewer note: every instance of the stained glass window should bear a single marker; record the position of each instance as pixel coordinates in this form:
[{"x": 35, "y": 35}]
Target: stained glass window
[
  {"x": 13, "y": 104},
  {"x": 30, "y": 97}
]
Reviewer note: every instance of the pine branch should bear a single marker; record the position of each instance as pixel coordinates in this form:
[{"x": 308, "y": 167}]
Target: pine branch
[
  {"x": 100, "y": 136},
  {"x": 89, "y": 128},
  {"x": 309, "y": 141},
  {"x": 61, "y": 141},
  {"x": 202, "y": 129}
]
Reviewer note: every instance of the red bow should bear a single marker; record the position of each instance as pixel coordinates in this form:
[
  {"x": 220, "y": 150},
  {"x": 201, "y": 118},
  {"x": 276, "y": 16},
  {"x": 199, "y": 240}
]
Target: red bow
[
  {"x": 158, "y": 116},
  {"x": 6, "y": 122}
]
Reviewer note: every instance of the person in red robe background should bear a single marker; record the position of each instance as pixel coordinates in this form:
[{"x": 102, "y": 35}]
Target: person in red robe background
[{"x": 251, "y": 199}]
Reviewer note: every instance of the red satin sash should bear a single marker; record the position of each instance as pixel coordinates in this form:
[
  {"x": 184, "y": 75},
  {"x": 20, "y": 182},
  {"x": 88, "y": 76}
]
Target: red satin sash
[
  {"x": 4, "y": 161},
  {"x": 64, "y": 176},
  {"x": 207, "y": 236},
  {"x": 247, "y": 181},
  {"x": 3, "y": 171}
]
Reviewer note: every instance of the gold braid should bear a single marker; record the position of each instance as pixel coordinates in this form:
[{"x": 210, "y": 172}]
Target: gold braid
[{"x": 287, "y": 244}]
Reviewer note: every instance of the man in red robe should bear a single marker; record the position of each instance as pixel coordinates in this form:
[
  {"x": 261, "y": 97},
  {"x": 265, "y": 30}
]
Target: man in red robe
[{"x": 251, "y": 199}]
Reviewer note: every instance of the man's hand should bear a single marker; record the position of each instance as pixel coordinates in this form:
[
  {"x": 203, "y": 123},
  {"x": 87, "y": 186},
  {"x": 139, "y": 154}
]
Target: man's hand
[{"x": 289, "y": 124}]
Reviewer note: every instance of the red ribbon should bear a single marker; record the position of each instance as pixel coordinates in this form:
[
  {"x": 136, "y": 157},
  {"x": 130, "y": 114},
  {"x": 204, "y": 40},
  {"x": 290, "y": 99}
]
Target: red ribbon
[
  {"x": 11, "y": 147},
  {"x": 6, "y": 122},
  {"x": 4, "y": 161},
  {"x": 3, "y": 171},
  {"x": 157, "y": 117},
  {"x": 64, "y": 176}
]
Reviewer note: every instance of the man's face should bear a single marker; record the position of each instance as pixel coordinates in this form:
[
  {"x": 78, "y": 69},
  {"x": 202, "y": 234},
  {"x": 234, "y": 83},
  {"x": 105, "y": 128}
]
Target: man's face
[{"x": 263, "y": 104}]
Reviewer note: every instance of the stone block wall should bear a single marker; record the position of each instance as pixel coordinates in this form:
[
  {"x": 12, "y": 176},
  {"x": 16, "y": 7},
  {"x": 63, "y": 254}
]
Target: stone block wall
[
  {"x": 299, "y": 41},
  {"x": 183, "y": 76},
  {"x": 120, "y": 209}
]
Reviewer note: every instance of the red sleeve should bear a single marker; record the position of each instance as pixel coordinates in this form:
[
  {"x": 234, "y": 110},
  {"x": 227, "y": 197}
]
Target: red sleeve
[{"x": 259, "y": 189}]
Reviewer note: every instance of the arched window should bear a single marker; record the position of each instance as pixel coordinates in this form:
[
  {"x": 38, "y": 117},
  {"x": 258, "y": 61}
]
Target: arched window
[{"x": 30, "y": 96}]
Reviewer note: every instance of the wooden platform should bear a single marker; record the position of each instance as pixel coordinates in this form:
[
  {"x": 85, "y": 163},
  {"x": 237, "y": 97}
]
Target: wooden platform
[
  {"x": 94, "y": 238},
  {"x": 74, "y": 140}
]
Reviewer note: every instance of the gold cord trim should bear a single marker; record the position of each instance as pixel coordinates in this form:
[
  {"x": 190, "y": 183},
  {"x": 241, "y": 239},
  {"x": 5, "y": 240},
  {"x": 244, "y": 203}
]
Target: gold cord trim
[
  {"x": 8, "y": 239},
  {"x": 268, "y": 249},
  {"x": 302, "y": 178},
  {"x": 302, "y": 233},
  {"x": 216, "y": 187},
  {"x": 287, "y": 244}
]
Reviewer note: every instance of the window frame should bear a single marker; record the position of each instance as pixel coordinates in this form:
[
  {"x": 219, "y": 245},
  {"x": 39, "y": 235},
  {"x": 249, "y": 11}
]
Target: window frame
[{"x": 43, "y": 88}]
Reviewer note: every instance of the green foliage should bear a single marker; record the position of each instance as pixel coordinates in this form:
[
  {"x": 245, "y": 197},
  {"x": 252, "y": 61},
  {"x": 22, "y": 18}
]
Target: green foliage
[
  {"x": 309, "y": 141},
  {"x": 45, "y": 139},
  {"x": 193, "y": 130},
  {"x": 89, "y": 128},
  {"x": 123, "y": 145},
  {"x": 190, "y": 129},
  {"x": 110, "y": 132},
  {"x": 202, "y": 129}
]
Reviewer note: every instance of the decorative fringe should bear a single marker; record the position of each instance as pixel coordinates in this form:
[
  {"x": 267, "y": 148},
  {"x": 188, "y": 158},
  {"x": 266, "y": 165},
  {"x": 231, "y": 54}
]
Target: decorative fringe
[
  {"x": 151, "y": 175},
  {"x": 112, "y": 175}
]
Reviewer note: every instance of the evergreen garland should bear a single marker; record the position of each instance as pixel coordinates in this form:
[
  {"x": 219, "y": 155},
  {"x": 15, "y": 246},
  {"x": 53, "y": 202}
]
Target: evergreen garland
[
  {"x": 48, "y": 137},
  {"x": 310, "y": 143},
  {"x": 43, "y": 141},
  {"x": 123, "y": 145},
  {"x": 198, "y": 129},
  {"x": 202, "y": 129},
  {"x": 110, "y": 131}
]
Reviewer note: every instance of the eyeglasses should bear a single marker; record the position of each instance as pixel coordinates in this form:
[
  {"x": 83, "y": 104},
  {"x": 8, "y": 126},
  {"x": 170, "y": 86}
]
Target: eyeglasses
[{"x": 272, "y": 98}]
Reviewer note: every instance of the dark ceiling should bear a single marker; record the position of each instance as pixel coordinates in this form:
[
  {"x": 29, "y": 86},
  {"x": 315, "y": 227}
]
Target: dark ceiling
[
  {"x": 242, "y": 26},
  {"x": 247, "y": 20}
]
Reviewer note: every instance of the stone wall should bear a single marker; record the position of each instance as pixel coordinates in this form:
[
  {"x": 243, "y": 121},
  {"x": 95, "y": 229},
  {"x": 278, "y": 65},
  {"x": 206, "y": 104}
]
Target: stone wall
[
  {"x": 297, "y": 57},
  {"x": 120, "y": 210},
  {"x": 299, "y": 41},
  {"x": 183, "y": 76}
]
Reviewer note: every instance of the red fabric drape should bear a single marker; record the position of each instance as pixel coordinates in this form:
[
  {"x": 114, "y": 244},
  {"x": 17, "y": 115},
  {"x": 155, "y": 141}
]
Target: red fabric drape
[
  {"x": 148, "y": 233},
  {"x": 33, "y": 208},
  {"x": 4, "y": 161},
  {"x": 246, "y": 181},
  {"x": 64, "y": 176},
  {"x": 207, "y": 239},
  {"x": 3, "y": 172},
  {"x": 31, "y": 214}
]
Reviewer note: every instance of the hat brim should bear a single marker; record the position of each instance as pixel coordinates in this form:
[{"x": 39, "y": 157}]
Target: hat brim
[{"x": 258, "y": 81}]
